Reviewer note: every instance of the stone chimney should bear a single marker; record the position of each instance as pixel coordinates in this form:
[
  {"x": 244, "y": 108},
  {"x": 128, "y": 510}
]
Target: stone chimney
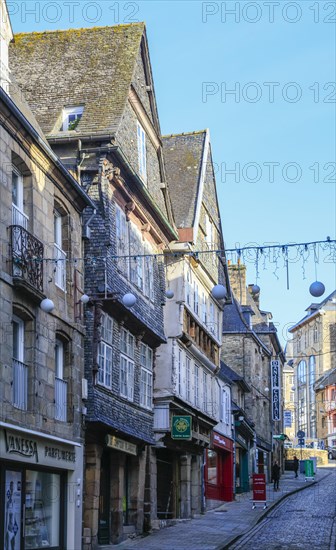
[{"x": 237, "y": 276}]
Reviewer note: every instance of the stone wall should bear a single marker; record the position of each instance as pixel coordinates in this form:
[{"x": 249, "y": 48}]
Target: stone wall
[
  {"x": 306, "y": 454},
  {"x": 41, "y": 328}
]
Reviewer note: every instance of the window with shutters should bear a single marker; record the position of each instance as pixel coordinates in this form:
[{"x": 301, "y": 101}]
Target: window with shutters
[
  {"x": 127, "y": 348},
  {"x": 146, "y": 382},
  {"x": 105, "y": 352}
]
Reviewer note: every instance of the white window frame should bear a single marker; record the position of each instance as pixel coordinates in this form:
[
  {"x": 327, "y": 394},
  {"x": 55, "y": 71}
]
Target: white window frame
[
  {"x": 59, "y": 359},
  {"x": 138, "y": 268},
  {"x": 21, "y": 335},
  {"x": 196, "y": 291},
  {"x": 20, "y": 370},
  {"x": 105, "y": 352},
  {"x": 205, "y": 392},
  {"x": 146, "y": 381},
  {"x": 71, "y": 111},
  {"x": 127, "y": 348},
  {"x": 61, "y": 386},
  {"x": 212, "y": 327},
  {"x": 60, "y": 255},
  {"x": 196, "y": 384},
  {"x": 142, "y": 153},
  {"x": 204, "y": 309},
  {"x": 18, "y": 215},
  {"x": 188, "y": 378},
  {"x": 188, "y": 287}
]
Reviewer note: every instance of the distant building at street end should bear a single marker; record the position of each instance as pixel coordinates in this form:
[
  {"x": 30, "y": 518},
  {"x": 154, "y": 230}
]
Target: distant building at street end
[{"x": 314, "y": 356}]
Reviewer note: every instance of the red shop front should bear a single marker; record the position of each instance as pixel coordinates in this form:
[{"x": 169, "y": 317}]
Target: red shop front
[{"x": 218, "y": 471}]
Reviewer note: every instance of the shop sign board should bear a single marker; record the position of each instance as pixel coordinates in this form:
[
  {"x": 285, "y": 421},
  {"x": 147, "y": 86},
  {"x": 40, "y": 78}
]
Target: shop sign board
[
  {"x": 222, "y": 442},
  {"x": 275, "y": 380},
  {"x": 259, "y": 487},
  {"x": 121, "y": 445},
  {"x": 181, "y": 427},
  {"x": 287, "y": 419},
  {"x": 25, "y": 447}
]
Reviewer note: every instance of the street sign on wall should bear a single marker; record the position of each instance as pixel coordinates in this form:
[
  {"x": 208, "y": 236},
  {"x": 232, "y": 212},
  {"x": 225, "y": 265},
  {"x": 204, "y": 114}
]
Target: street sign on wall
[
  {"x": 287, "y": 419},
  {"x": 181, "y": 427}
]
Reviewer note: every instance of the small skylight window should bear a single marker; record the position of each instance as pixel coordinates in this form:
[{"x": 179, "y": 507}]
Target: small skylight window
[{"x": 71, "y": 118}]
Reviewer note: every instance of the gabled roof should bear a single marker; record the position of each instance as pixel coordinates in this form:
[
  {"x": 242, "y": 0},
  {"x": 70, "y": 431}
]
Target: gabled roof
[
  {"x": 235, "y": 323},
  {"x": 328, "y": 379},
  {"x": 20, "y": 114},
  {"x": 92, "y": 67},
  {"x": 234, "y": 376},
  {"x": 313, "y": 309},
  {"x": 183, "y": 154}
]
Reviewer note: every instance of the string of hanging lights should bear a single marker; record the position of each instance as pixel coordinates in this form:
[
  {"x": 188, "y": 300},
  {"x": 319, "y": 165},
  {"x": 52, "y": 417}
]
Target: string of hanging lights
[{"x": 267, "y": 254}]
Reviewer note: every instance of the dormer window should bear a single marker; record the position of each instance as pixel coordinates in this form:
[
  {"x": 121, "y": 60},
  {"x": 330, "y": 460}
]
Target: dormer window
[
  {"x": 71, "y": 118},
  {"x": 142, "y": 153}
]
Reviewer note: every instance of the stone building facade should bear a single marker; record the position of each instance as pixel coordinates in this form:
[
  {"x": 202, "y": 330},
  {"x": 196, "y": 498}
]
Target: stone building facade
[
  {"x": 41, "y": 359},
  {"x": 186, "y": 384},
  {"x": 248, "y": 329},
  {"x": 314, "y": 338},
  {"x": 109, "y": 136}
]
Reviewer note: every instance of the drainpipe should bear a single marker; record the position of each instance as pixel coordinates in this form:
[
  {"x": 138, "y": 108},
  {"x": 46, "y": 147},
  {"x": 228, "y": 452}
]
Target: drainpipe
[{"x": 203, "y": 506}]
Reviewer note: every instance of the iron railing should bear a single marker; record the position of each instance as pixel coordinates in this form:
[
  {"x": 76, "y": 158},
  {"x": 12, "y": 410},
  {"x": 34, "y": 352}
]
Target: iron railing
[
  {"x": 61, "y": 390},
  {"x": 20, "y": 385},
  {"x": 27, "y": 257}
]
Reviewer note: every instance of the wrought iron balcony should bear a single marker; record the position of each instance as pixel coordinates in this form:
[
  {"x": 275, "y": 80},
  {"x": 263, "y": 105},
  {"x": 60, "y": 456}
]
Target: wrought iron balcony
[{"x": 27, "y": 256}]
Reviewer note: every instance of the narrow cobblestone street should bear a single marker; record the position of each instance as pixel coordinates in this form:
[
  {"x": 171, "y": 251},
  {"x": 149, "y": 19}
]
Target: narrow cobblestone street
[{"x": 304, "y": 520}]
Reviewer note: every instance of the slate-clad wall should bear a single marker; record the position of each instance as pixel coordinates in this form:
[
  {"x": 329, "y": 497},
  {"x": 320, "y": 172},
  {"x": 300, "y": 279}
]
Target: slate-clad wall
[{"x": 107, "y": 405}]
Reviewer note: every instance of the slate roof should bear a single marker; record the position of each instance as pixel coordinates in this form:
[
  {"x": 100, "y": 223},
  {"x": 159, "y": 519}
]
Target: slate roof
[
  {"x": 233, "y": 376},
  {"x": 92, "y": 67},
  {"x": 183, "y": 162},
  {"x": 316, "y": 307},
  {"x": 17, "y": 96},
  {"x": 234, "y": 323}
]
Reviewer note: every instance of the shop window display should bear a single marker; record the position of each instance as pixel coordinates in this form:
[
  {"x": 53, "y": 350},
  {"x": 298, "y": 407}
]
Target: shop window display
[{"x": 42, "y": 514}]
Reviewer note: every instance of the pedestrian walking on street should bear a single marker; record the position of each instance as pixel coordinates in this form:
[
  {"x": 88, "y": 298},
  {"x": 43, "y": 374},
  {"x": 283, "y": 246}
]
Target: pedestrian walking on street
[
  {"x": 296, "y": 466},
  {"x": 276, "y": 475}
]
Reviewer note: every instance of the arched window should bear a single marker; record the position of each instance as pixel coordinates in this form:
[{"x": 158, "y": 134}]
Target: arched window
[
  {"x": 312, "y": 375},
  {"x": 302, "y": 372}
]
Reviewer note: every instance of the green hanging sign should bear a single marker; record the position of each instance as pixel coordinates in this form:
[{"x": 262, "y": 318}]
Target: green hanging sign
[{"x": 181, "y": 427}]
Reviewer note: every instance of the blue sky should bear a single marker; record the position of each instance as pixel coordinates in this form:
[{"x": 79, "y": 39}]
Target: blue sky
[{"x": 198, "y": 51}]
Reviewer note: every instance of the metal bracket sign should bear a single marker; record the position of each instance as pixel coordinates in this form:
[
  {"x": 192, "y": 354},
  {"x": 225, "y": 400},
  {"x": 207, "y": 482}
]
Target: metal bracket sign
[
  {"x": 275, "y": 380},
  {"x": 181, "y": 427}
]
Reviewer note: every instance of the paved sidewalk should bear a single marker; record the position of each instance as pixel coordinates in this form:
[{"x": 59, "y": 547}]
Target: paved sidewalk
[{"x": 217, "y": 529}]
